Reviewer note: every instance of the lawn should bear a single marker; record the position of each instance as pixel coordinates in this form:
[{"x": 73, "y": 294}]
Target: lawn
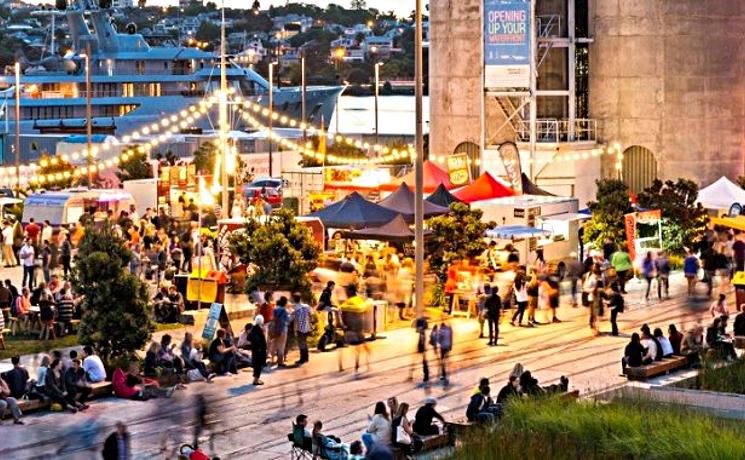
[
  {"x": 726, "y": 379},
  {"x": 623, "y": 430},
  {"x": 21, "y": 345}
]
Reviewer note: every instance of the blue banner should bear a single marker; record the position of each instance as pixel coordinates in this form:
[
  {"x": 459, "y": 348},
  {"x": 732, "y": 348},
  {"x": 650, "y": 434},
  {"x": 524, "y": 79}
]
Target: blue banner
[
  {"x": 213, "y": 318},
  {"x": 507, "y": 41}
]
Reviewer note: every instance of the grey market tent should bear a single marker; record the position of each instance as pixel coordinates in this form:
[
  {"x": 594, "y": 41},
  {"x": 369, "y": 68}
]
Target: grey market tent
[
  {"x": 395, "y": 230},
  {"x": 402, "y": 201},
  {"x": 354, "y": 212},
  {"x": 441, "y": 197},
  {"x": 529, "y": 188}
]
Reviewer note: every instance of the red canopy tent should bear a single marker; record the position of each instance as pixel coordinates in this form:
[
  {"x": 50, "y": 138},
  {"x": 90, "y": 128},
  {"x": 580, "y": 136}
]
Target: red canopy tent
[
  {"x": 433, "y": 176},
  {"x": 485, "y": 187}
]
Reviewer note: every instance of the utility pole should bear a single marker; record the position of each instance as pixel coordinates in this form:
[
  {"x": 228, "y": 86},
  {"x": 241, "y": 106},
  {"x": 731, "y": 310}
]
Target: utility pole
[
  {"x": 302, "y": 97},
  {"x": 88, "y": 114},
  {"x": 223, "y": 116},
  {"x": 271, "y": 114},
  {"x": 17, "y": 113},
  {"x": 419, "y": 165}
]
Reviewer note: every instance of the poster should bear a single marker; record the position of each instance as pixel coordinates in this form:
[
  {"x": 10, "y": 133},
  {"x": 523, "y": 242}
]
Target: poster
[
  {"x": 458, "y": 170},
  {"x": 213, "y": 319},
  {"x": 511, "y": 160},
  {"x": 507, "y": 41}
]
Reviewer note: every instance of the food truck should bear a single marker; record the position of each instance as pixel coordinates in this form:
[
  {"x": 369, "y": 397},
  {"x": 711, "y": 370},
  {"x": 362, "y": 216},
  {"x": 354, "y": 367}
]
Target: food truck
[
  {"x": 531, "y": 222},
  {"x": 65, "y": 207}
]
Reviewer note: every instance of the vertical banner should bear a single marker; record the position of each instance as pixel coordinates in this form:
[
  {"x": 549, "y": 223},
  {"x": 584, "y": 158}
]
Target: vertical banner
[
  {"x": 510, "y": 155},
  {"x": 213, "y": 318},
  {"x": 458, "y": 170},
  {"x": 630, "y": 224},
  {"x": 507, "y": 41}
]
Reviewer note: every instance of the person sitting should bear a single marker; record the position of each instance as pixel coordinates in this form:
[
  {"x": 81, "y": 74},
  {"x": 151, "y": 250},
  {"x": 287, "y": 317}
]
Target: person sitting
[
  {"x": 221, "y": 355},
  {"x": 300, "y": 435},
  {"x": 17, "y": 378},
  {"x": 675, "y": 338},
  {"x": 718, "y": 341},
  {"x": 327, "y": 447},
  {"x": 509, "y": 390},
  {"x": 167, "y": 358},
  {"x": 529, "y": 385},
  {"x": 665, "y": 345},
  {"x": 424, "y": 417},
  {"x": 634, "y": 355},
  {"x": 192, "y": 357},
  {"x": 131, "y": 385},
  {"x": 151, "y": 360},
  {"x": 65, "y": 309},
  {"x": 379, "y": 429},
  {"x": 7, "y": 401},
  {"x": 654, "y": 350},
  {"x": 693, "y": 341},
  {"x": 76, "y": 383},
  {"x": 160, "y": 304},
  {"x": 54, "y": 388},
  {"x": 739, "y": 325},
  {"x": 93, "y": 366},
  {"x": 402, "y": 435},
  {"x": 243, "y": 339},
  {"x": 481, "y": 408}
]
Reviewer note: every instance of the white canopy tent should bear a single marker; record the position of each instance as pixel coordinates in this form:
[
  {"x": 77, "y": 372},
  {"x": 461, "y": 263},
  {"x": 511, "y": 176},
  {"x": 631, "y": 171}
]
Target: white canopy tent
[{"x": 721, "y": 194}]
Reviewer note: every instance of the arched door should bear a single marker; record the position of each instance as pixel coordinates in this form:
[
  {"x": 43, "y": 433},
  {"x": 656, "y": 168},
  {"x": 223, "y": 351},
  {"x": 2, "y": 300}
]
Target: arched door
[
  {"x": 639, "y": 168},
  {"x": 472, "y": 150}
]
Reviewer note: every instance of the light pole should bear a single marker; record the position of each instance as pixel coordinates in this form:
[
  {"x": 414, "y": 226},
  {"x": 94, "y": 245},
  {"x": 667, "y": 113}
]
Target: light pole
[
  {"x": 223, "y": 116},
  {"x": 88, "y": 114},
  {"x": 17, "y": 113},
  {"x": 419, "y": 165},
  {"x": 378, "y": 65},
  {"x": 271, "y": 113},
  {"x": 302, "y": 95}
]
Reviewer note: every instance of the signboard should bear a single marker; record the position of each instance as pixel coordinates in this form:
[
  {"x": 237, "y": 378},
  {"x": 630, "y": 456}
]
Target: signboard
[
  {"x": 213, "y": 321},
  {"x": 510, "y": 155},
  {"x": 507, "y": 41},
  {"x": 458, "y": 170}
]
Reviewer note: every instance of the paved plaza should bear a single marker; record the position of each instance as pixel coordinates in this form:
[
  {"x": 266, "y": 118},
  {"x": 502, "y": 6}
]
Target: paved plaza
[{"x": 255, "y": 420}]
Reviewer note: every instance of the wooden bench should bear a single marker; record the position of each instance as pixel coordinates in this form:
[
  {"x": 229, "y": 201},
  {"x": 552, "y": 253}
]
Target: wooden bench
[
  {"x": 739, "y": 341},
  {"x": 429, "y": 443},
  {"x": 656, "y": 368},
  {"x": 98, "y": 390}
]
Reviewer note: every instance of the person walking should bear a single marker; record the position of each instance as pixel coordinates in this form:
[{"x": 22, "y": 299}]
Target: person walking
[
  {"x": 116, "y": 446},
  {"x": 521, "y": 297},
  {"x": 421, "y": 347},
  {"x": 301, "y": 319},
  {"x": 648, "y": 272},
  {"x": 621, "y": 263},
  {"x": 553, "y": 289},
  {"x": 690, "y": 269},
  {"x": 26, "y": 254},
  {"x": 445, "y": 343},
  {"x": 662, "y": 267},
  {"x": 66, "y": 255},
  {"x": 278, "y": 331},
  {"x": 9, "y": 257},
  {"x": 532, "y": 289},
  {"x": 616, "y": 305},
  {"x": 493, "y": 310},
  {"x": 258, "y": 348},
  {"x": 574, "y": 272}
]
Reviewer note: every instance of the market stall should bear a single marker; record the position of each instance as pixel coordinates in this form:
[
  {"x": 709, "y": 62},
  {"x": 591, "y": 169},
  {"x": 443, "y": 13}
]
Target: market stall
[
  {"x": 486, "y": 187},
  {"x": 433, "y": 178},
  {"x": 66, "y": 207},
  {"x": 354, "y": 212},
  {"x": 721, "y": 195},
  {"x": 442, "y": 197},
  {"x": 402, "y": 202}
]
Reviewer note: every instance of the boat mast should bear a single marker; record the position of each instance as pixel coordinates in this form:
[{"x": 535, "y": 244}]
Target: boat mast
[{"x": 223, "y": 115}]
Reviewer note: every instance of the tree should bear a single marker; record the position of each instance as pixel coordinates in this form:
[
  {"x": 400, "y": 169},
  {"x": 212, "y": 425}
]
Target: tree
[
  {"x": 683, "y": 220},
  {"x": 137, "y": 167},
  {"x": 117, "y": 315},
  {"x": 204, "y": 158},
  {"x": 282, "y": 252},
  {"x": 56, "y": 165},
  {"x": 141, "y": 3},
  {"x": 256, "y": 6},
  {"x": 208, "y": 32},
  {"x": 607, "y": 222},
  {"x": 457, "y": 235},
  {"x": 359, "y": 4}
]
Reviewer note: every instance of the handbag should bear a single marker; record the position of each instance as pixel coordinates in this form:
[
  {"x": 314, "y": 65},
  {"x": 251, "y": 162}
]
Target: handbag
[{"x": 402, "y": 437}]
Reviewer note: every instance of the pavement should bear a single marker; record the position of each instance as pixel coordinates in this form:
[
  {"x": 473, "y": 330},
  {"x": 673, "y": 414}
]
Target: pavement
[{"x": 252, "y": 422}]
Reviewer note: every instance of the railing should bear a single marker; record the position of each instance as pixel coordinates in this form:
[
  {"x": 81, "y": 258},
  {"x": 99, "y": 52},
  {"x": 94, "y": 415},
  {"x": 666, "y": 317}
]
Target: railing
[
  {"x": 549, "y": 25},
  {"x": 555, "y": 130}
]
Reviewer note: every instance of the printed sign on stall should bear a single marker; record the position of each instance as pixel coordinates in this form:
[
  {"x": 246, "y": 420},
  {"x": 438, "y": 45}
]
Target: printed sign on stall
[
  {"x": 507, "y": 41},
  {"x": 213, "y": 321},
  {"x": 458, "y": 170}
]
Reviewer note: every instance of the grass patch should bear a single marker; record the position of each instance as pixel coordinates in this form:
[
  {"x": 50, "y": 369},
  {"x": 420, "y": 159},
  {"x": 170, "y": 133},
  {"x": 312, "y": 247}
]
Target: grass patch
[
  {"x": 725, "y": 379},
  {"x": 622, "y": 430},
  {"x": 162, "y": 327},
  {"x": 20, "y": 345}
]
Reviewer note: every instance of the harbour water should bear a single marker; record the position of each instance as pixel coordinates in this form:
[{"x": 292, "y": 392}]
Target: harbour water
[{"x": 395, "y": 115}]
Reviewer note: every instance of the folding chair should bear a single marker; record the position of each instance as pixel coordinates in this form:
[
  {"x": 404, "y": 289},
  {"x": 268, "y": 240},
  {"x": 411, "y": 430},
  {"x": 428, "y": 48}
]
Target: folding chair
[{"x": 299, "y": 449}]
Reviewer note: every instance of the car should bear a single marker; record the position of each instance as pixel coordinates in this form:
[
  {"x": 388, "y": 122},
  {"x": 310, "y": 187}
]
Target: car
[{"x": 271, "y": 187}]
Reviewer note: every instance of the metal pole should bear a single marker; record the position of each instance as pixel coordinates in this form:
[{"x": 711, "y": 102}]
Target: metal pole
[
  {"x": 271, "y": 113},
  {"x": 17, "y": 140},
  {"x": 419, "y": 168},
  {"x": 377, "y": 94},
  {"x": 533, "y": 88},
  {"x": 224, "y": 116},
  {"x": 302, "y": 99},
  {"x": 88, "y": 114}
]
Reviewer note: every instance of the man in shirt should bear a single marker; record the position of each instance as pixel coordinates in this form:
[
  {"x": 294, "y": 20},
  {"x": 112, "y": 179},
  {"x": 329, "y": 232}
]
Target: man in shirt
[
  {"x": 32, "y": 231},
  {"x": 509, "y": 390},
  {"x": 424, "y": 417},
  {"x": 93, "y": 366},
  {"x": 116, "y": 446},
  {"x": 9, "y": 402},
  {"x": 17, "y": 378},
  {"x": 302, "y": 327},
  {"x": 278, "y": 331},
  {"x": 26, "y": 254},
  {"x": 47, "y": 231},
  {"x": 493, "y": 306}
]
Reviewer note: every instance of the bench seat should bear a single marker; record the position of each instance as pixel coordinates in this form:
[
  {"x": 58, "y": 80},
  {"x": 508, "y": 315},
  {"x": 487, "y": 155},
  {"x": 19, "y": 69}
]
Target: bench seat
[
  {"x": 656, "y": 368},
  {"x": 98, "y": 390}
]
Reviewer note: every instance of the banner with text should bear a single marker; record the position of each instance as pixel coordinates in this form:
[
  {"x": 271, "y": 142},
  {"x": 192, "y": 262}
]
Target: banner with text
[{"x": 507, "y": 41}]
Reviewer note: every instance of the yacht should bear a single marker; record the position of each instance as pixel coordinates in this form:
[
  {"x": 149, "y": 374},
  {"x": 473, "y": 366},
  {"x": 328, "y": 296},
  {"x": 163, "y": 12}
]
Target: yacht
[{"x": 134, "y": 84}]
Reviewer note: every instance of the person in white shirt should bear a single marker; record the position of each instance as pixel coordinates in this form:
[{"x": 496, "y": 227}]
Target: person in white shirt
[
  {"x": 9, "y": 257},
  {"x": 667, "y": 347},
  {"x": 27, "y": 257},
  {"x": 719, "y": 307},
  {"x": 46, "y": 232},
  {"x": 379, "y": 429},
  {"x": 649, "y": 344},
  {"x": 93, "y": 366}
]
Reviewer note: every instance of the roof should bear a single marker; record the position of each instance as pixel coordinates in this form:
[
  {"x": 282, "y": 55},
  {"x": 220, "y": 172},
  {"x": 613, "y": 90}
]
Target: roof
[
  {"x": 442, "y": 197},
  {"x": 721, "y": 194},
  {"x": 395, "y": 230},
  {"x": 486, "y": 187},
  {"x": 354, "y": 212},
  {"x": 403, "y": 201},
  {"x": 529, "y": 188},
  {"x": 433, "y": 177}
]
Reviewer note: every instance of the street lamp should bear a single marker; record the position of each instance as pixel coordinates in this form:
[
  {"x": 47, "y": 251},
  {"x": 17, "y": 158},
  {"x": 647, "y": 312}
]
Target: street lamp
[
  {"x": 88, "y": 113},
  {"x": 271, "y": 113},
  {"x": 302, "y": 94},
  {"x": 378, "y": 65}
]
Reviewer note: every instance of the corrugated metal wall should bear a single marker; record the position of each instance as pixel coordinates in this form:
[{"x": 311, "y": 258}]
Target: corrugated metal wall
[{"x": 639, "y": 168}]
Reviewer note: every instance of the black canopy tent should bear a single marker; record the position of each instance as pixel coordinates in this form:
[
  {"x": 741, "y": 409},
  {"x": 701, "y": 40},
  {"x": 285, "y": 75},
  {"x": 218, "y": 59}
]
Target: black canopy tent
[
  {"x": 529, "y": 188},
  {"x": 354, "y": 212},
  {"x": 442, "y": 197},
  {"x": 402, "y": 201},
  {"x": 395, "y": 230}
]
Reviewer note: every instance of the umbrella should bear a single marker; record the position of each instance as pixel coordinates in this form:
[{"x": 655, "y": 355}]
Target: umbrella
[
  {"x": 395, "y": 230},
  {"x": 353, "y": 212},
  {"x": 402, "y": 201},
  {"x": 433, "y": 177},
  {"x": 442, "y": 197}
]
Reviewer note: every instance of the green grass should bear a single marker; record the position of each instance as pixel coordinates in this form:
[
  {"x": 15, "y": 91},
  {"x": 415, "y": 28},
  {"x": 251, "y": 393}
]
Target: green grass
[
  {"x": 162, "y": 327},
  {"x": 624, "y": 430},
  {"x": 22, "y": 345},
  {"x": 726, "y": 379}
]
